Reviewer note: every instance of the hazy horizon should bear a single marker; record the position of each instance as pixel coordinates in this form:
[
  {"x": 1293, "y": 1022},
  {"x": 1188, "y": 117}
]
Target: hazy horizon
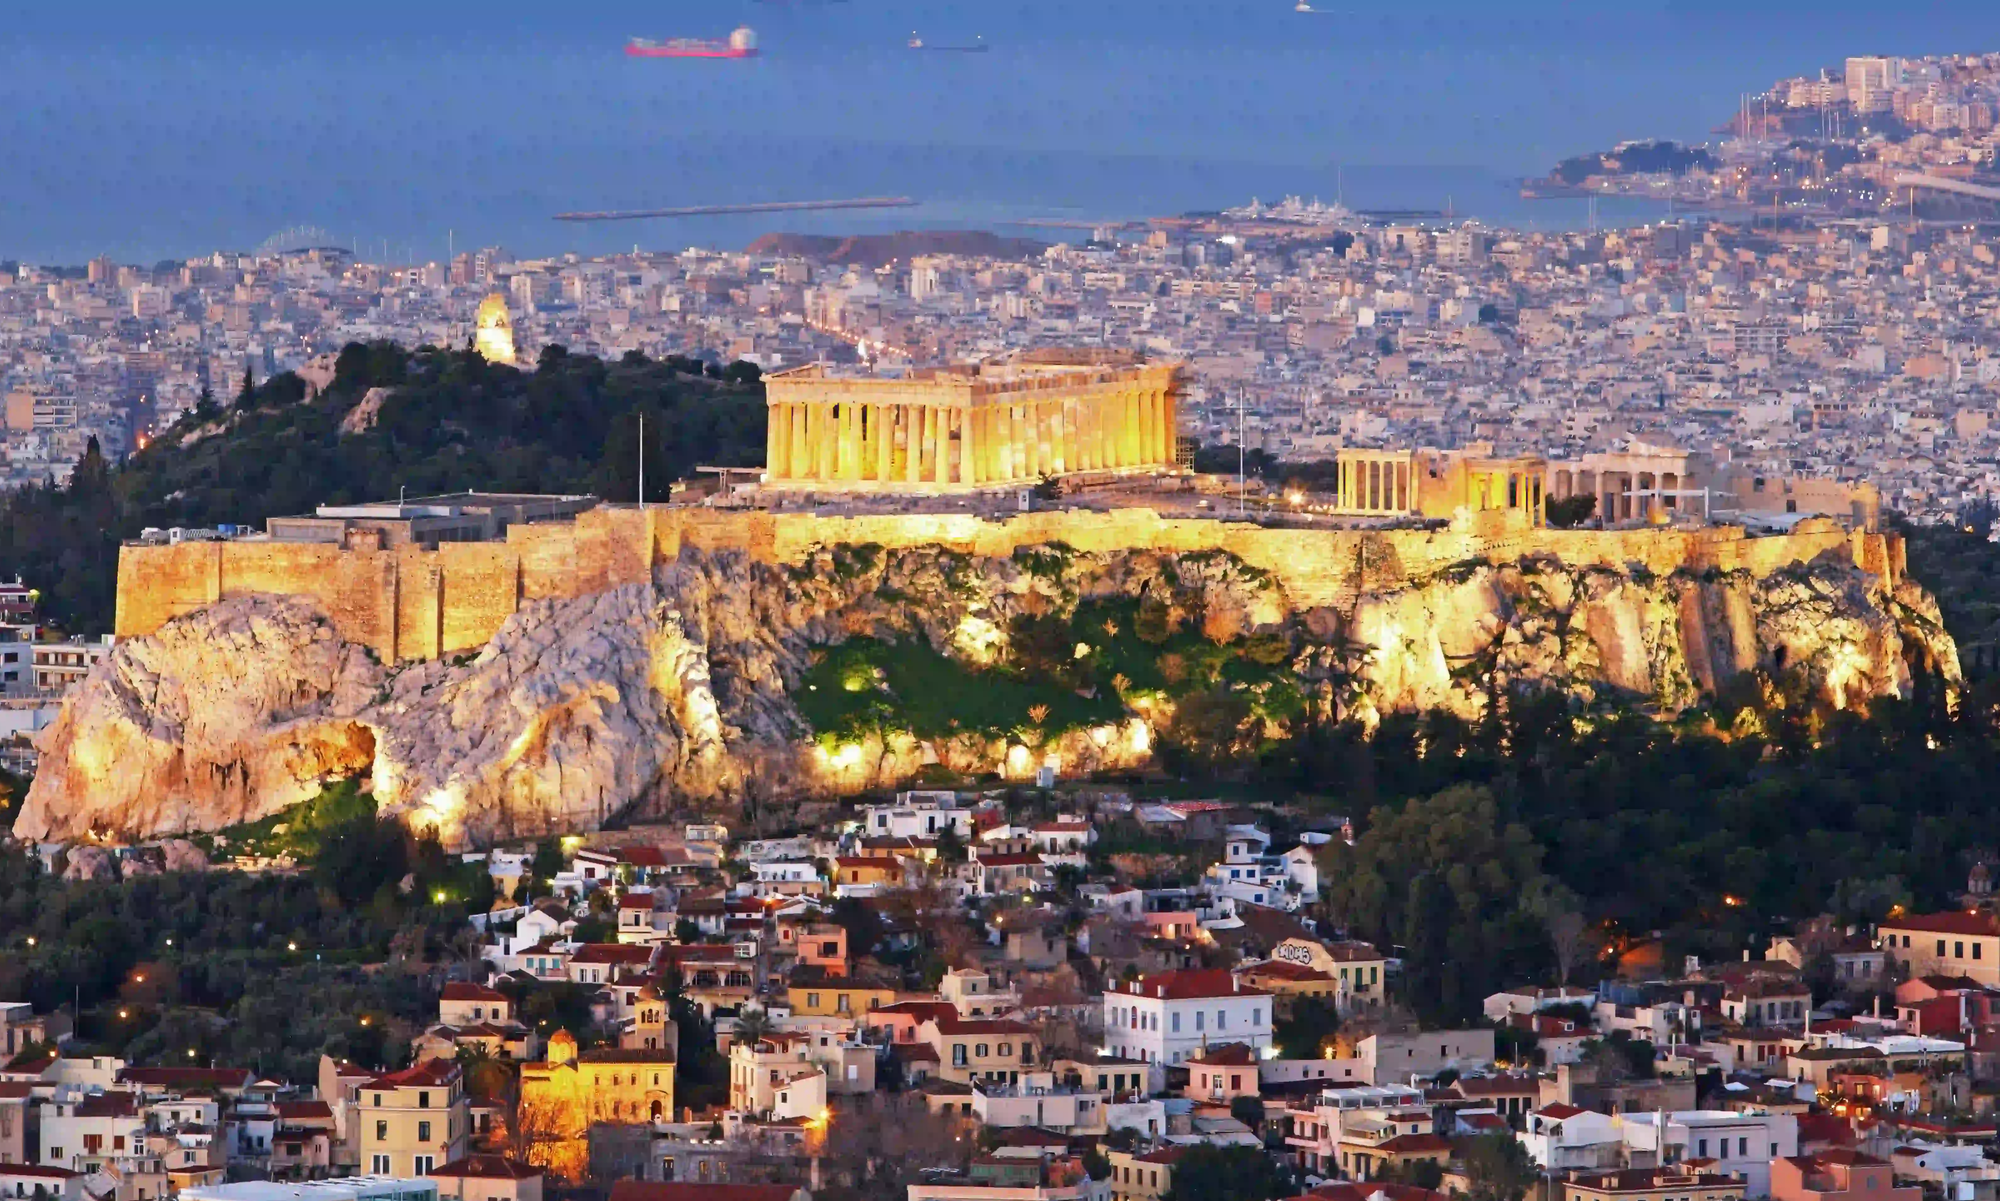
[{"x": 159, "y": 133}]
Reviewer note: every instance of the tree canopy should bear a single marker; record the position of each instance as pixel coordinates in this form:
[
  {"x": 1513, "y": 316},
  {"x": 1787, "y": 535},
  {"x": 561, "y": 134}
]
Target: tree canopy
[{"x": 448, "y": 421}]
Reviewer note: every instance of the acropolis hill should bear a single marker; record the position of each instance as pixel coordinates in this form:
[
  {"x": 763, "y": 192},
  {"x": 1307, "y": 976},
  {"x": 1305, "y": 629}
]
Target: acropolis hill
[{"x": 503, "y": 666}]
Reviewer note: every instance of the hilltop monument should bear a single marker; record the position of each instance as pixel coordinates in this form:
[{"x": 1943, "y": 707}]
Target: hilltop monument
[{"x": 493, "y": 332}]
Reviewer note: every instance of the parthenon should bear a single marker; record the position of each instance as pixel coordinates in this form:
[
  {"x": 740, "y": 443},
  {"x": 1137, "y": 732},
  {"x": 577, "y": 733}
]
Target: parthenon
[{"x": 995, "y": 425}]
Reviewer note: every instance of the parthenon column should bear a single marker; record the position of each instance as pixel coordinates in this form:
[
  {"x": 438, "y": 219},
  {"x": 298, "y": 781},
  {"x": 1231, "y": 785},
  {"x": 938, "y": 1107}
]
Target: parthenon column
[
  {"x": 885, "y": 441},
  {"x": 971, "y": 448},
  {"x": 774, "y": 443},
  {"x": 1059, "y": 457},
  {"x": 913, "y": 442}
]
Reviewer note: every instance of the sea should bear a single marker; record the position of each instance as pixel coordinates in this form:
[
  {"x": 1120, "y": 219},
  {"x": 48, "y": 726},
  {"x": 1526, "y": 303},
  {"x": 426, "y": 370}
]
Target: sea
[{"x": 407, "y": 130}]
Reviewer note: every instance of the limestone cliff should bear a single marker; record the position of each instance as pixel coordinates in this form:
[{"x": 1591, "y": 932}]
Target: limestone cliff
[{"x": 686, "y": 688}]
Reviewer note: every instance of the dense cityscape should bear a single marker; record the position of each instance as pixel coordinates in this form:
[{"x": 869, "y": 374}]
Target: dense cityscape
[{"x": 1280, "y": 702}]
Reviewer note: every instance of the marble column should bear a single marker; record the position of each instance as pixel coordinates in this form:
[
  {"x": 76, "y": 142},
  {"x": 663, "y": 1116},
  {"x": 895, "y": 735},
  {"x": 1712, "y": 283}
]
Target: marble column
[
  {"x": 913, "y": 443},
  {"x": 885, "y": 441},
  {"x": 816, "y": 440},
  {"x": 971, "y": 448}
]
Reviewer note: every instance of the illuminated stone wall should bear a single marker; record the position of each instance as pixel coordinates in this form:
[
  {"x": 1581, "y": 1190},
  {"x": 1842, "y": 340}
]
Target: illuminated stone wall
[{"x": 411, "y": 603}]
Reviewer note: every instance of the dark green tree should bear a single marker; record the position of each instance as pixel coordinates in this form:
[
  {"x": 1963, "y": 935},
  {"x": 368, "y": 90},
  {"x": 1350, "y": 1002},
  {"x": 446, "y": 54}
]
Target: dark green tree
[
  {"x": 1206, "y": 1172},
  {"x": 1498, "y": 1167}
]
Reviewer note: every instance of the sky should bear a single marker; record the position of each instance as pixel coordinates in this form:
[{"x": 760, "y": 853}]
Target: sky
[{"x": 149, "y": 131}]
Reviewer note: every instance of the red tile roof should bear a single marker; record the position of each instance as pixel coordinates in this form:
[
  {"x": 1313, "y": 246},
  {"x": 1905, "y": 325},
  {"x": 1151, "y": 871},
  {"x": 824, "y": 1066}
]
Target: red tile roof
[
  {"x": 1189, "y": 984},
  {"x": 431, "y": 1073},
  {"x": 488, "y": 1167},
  {"x": 1228, "y": 1055},
  {"x": 612, "y": 952},
  {"x": 1414, "y": 1144},
  {"x": 654, "y": 1190},
  {"x": 461, "y": 990}
]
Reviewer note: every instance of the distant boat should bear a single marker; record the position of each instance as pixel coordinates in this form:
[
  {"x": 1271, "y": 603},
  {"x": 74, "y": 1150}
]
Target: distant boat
[
  {"x": 976, "y": 46},
  {"x": 740, "y": 44}
]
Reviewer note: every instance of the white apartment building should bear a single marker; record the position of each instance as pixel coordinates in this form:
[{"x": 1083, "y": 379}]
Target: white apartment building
[
  {"x": 1169, "y": 1017},
  {"x": 917, "y": 815},
  {"x": 1744, "y": 1143},
  {"x": 84, "y": 1131}
]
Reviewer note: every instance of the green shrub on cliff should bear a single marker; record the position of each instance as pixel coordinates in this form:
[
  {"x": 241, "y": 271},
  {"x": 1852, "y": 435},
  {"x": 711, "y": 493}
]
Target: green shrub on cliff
[{"x": 451, "y": 422}]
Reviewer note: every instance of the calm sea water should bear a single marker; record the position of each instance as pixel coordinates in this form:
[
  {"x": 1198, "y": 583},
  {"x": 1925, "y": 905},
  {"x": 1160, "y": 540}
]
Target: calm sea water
[{"x": 150, "y": 131}]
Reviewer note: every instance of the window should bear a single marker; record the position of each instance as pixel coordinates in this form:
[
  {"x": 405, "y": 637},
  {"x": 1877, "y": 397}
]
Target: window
[
  {"x": 958, "y": 1055},
  {"x": 423, "y": 1132},
  {"x": 424, "y": 1099},
  {"x": 1975, "y": 950},
  {"x": 980, "y": 1050},
  {"x": 1177, "y": 1023},
  {"x": 1006, "y": 1049},
  {"x": 423, "y": 1164},
  {"x": 812, "y": 1000},
  {"x": 1940, "y": 949},
  {"x": 381, "y": 1132},
  {"x": 1958, "y": 950},
  {"x": 1743, "y": 1146},
  {"x": 1222, "y": 1019},
  {"x": 1200, "y": 1016},
  {"x": 379, "y": 1165}
]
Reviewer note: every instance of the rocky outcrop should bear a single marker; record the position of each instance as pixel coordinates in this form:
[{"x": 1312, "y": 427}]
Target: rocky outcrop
[
  {"x": 230, "y": 713},
  {"x": 683, "y": 688}
]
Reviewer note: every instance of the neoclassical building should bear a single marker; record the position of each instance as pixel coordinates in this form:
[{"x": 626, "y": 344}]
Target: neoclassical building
[{"x": 999, "y": 424}]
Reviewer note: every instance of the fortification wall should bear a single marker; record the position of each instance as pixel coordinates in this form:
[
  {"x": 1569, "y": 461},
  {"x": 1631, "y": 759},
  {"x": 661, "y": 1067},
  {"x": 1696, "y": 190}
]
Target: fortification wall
[{"x": 410, "y": 603}]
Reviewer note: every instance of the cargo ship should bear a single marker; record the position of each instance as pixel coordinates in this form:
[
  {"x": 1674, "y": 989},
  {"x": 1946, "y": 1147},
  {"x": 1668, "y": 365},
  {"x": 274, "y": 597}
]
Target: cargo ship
[
  {"x": 976, "y": 46},
  {"x": 740, "y": 44}
]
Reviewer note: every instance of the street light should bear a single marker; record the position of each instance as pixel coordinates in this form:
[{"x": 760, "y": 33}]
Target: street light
[{"x": 291, "y": 946}]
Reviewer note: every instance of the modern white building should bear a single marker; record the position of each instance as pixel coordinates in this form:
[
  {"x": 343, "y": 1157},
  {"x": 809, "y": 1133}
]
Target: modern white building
[
  {"x": 350, "y": 1188},
  {"x": 1743, "y": 1143},
  {"x": 1169, "y": 1017},
  {"x": 917, "y": 815}
]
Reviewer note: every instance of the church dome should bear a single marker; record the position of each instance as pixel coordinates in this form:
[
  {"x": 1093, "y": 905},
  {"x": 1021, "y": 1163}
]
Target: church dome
[{"x": 562, "y": 1047}]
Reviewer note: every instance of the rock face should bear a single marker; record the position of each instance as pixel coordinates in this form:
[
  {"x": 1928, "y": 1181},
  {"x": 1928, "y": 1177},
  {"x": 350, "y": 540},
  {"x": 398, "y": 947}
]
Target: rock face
[
  {"x": 228, "y": 714},
  {"x": 682, "y": 689}
]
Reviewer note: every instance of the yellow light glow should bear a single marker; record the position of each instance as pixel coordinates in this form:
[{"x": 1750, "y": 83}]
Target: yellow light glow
[{"x": 977, "y": 639}]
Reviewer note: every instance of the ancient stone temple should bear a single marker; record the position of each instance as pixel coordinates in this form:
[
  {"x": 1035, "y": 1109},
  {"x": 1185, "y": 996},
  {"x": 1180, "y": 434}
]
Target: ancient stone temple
[{"x": 994, "y": 425}]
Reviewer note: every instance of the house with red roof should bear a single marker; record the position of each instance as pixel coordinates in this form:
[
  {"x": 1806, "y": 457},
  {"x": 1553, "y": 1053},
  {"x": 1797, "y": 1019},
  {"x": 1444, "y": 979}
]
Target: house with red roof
[
  {"x": 1837, "y": 1175},
  {"x": 488, "y": 1178},
  {"x": 1166, "y": 1018},
  {"x": 997, "y": 1050}
]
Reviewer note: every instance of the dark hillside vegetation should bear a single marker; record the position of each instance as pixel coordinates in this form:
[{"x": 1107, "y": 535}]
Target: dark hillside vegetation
[{"x": 451, "y": 422}]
